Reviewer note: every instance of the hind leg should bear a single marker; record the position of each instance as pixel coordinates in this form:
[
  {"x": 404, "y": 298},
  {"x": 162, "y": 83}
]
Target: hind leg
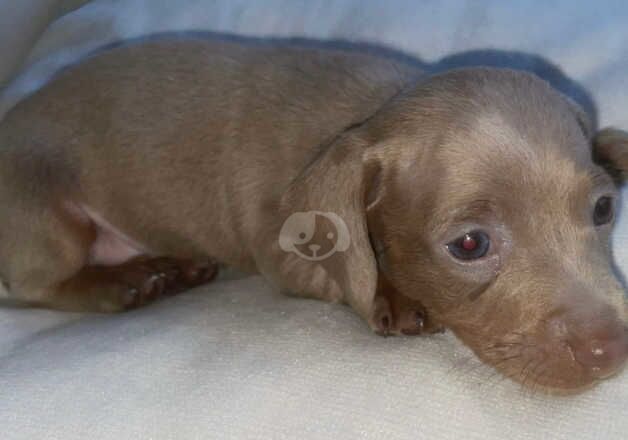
[
  {"x": 131, "y": 284},
  {"x": 45, "y": 261}
]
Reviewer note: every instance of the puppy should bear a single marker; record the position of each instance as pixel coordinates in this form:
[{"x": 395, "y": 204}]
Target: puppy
[{"x": 478, "y": 200}]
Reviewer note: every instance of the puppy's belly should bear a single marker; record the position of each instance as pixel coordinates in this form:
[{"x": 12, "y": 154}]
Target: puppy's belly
[{"x": 111, "y": 246}]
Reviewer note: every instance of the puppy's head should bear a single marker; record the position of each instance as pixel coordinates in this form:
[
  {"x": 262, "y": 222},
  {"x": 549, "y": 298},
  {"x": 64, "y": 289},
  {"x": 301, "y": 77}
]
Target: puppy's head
[
  {"x": 483, "y": 194},
  {"x": 489, "y": 208}
]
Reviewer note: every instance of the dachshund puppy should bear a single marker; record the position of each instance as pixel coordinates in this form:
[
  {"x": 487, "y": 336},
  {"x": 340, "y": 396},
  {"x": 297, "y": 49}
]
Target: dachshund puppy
[{"x": 478, "y": 200}]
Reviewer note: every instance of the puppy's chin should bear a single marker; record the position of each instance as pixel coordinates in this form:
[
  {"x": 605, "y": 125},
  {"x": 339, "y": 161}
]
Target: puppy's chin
[
  {"x": 547, "y": 368},
  {"x": 569, "y": 383},
  {"x": 575, "y": 389}
]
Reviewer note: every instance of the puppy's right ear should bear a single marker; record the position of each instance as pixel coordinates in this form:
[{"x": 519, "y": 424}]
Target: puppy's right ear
[
  {"x": 610, "y": 150},
  {"x": 338, "y": 182}
]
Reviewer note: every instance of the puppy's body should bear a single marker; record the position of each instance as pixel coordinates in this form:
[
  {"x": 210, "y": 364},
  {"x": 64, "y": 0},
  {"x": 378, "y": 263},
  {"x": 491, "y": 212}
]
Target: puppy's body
[
  {"x": 189, "y": 149},
  {"x": 184, "y": 148},
  {"x": 155, "y": 129}
]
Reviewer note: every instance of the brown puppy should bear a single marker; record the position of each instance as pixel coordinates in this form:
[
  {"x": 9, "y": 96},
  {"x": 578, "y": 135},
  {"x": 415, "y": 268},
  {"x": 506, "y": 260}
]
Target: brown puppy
[{"x": 467, "y": 200}]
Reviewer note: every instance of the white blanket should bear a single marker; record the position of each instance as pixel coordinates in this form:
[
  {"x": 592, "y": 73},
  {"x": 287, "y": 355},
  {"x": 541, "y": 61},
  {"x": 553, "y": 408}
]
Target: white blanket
[{"x": 236, "y": 360}]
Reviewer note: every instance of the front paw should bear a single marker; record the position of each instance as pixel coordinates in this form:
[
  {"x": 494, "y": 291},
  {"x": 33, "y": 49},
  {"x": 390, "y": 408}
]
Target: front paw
[
  {"x": 408, "y": 318},
  {"x": 382, "y": 321},
  {"x": 416, "y": 321}
]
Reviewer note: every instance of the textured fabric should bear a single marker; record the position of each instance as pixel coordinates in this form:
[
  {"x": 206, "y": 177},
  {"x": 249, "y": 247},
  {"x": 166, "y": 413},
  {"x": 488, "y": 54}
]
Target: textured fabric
[
  {"x": 237, "y": 360},
  {"x": 21, "y": 24}
]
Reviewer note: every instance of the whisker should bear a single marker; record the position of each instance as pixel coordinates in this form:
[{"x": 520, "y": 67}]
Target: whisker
[
  {"x": 467, "y": 365},
  {"x": 529, "y": 381},
  {"x": 524, "y": 374},
  {"x": 496, "y": 372},
  {"x": 536, "y": 385}
]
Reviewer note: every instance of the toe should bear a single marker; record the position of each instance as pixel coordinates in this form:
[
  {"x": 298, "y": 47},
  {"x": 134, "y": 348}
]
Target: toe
[
  {"x": 168, "y": 268},
  {"x": 382, "y": 318},
  {"x": 130, "y": 297},
  {"x": 412, "y": 323},
  {"x": 198, "y": 272}
]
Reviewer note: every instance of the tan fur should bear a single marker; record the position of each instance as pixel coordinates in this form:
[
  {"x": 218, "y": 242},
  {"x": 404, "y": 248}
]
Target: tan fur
[{"x": 192, "y": 149}]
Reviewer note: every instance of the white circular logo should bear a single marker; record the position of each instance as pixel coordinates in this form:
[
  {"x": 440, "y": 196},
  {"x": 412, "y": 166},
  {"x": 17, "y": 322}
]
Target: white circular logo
[{"x": 314, "y": 235}]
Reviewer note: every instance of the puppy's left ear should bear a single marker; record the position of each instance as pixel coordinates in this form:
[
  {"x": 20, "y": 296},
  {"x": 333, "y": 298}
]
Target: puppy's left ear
[
  {"x": 610, "y": 150},
  {"x": 338, "y": 181},
  {"x": 609, "y": 145}
]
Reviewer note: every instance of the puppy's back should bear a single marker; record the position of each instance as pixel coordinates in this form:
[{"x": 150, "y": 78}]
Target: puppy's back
[{"x": 170, "y": 123}]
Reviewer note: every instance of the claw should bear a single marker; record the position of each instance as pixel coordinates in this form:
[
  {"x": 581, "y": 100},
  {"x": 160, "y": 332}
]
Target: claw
[{"x": 382, "y": 317}]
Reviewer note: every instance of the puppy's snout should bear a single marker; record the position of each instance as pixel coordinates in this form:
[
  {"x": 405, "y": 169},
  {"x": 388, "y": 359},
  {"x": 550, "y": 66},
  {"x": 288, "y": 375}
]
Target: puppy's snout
[{"x": 599, "y": 346}]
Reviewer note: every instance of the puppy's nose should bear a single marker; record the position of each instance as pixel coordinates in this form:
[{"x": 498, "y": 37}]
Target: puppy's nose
[{"x": 603, "y": 350}]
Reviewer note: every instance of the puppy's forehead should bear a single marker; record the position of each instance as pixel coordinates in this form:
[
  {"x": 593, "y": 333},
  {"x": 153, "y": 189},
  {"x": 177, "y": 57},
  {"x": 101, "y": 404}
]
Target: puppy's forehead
[
  {"x": 510, "y": 116},
  {"x": 536, "y": 159},
  {"x": 518, "y": 109},
  {"x": 497, "y": 111},
  {"x": 512, "y": 137},
  {"x": 495, "y": 129}
]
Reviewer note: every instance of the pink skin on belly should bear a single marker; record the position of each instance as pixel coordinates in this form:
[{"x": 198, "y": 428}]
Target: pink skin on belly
[{"x": 111, "y": 247}]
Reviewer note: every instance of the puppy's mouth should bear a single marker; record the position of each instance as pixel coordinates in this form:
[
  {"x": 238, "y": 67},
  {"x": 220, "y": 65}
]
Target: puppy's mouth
[{"x": 555, "y": 366}]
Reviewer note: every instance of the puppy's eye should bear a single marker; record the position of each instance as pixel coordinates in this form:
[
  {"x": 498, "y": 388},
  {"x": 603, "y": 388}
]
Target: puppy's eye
[
  {"x": 470, "y": 246},
  {"x": 603, "y": 211}
]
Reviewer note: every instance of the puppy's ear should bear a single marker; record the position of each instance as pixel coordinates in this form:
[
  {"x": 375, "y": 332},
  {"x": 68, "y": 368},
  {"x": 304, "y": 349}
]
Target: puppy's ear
[
  {"x": 609, "y": 145},
  {"x": 610, "y": 150},
  {"x": 337, "y": 182}
]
